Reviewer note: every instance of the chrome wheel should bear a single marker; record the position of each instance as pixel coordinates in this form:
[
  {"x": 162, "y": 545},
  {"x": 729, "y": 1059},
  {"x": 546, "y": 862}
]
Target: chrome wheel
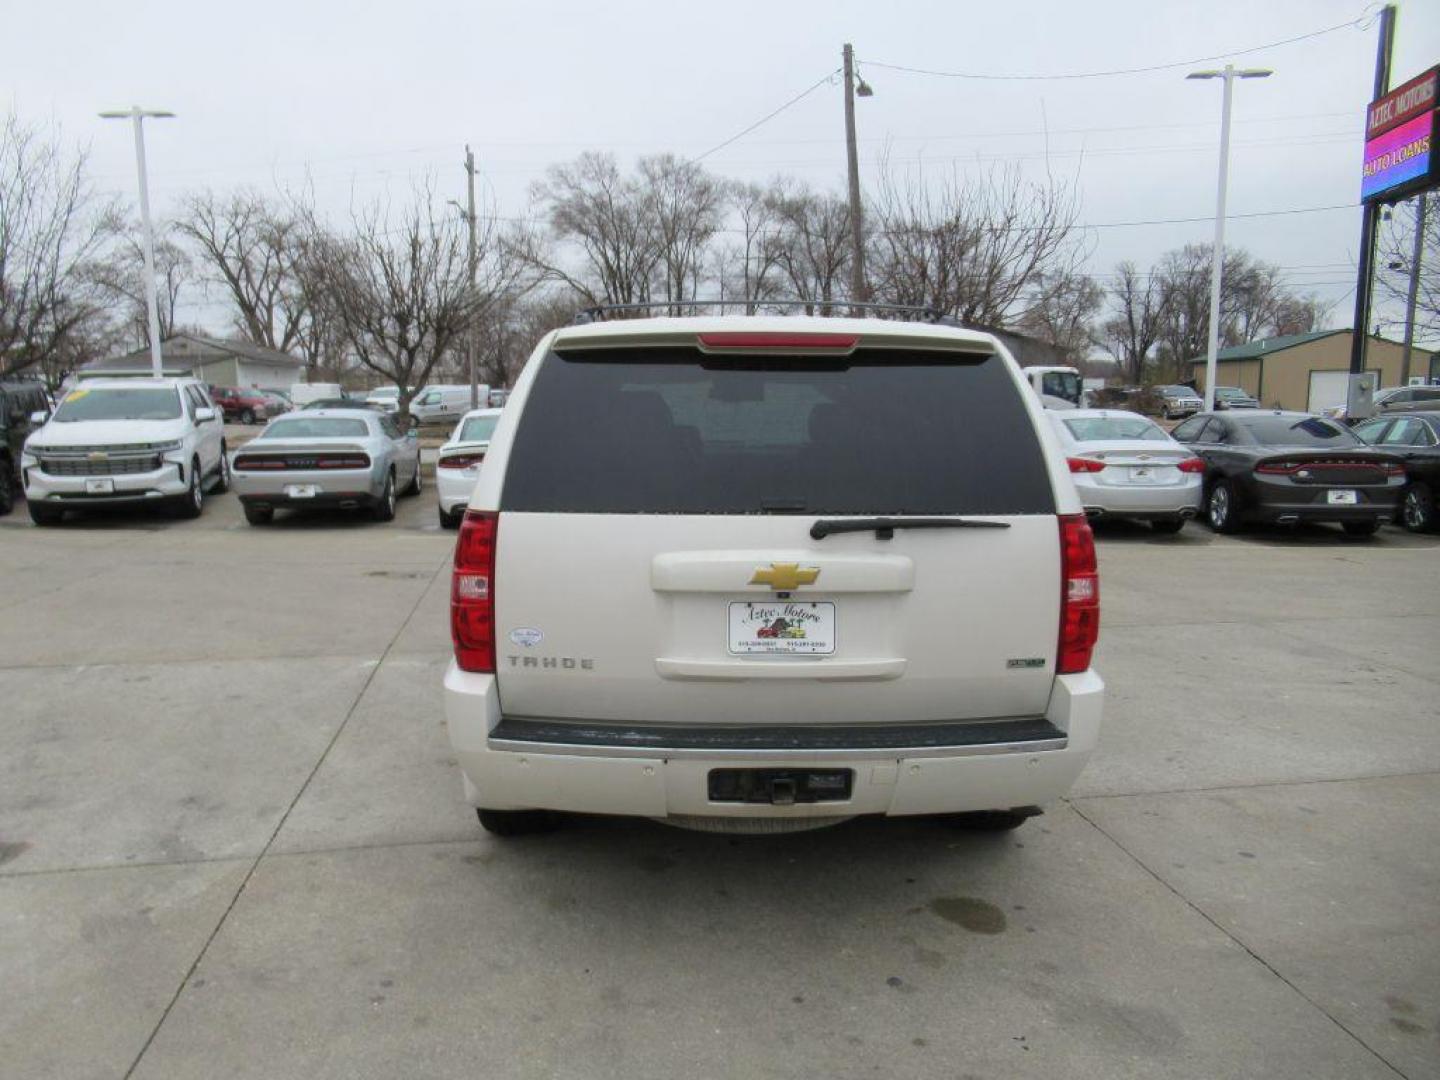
[
  {"x": 1220, "y": 507},
  {"x": 1417, "y": 509}
]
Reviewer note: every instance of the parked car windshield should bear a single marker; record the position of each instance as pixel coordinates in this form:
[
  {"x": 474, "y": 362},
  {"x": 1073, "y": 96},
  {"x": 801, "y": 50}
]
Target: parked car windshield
[
  {"x": 1102, "y": 428},
  {"x": 1230, "y": 392},
  {"x": 316, "y": 427},
  {"x": 120, "y": 403},
  {"x": 478, "y": 429},
  {"x": 668, "y": 430},
  {"x": 1305, "y": 431}
]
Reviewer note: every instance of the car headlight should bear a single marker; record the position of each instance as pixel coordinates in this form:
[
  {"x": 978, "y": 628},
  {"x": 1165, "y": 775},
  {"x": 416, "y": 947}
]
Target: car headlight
[{"x": 167, "y": 447}]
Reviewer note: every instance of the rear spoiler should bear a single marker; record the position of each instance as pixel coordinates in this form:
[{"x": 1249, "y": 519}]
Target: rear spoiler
[{"x": 838, "y": 342}]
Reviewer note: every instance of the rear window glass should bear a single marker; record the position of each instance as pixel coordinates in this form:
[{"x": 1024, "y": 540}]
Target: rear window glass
[
  {"x": 320, "y": 427},
  {"x": 1103, "y": 428},
  {"x": 478, "y": 429},
  {"x": 1288, "y": 431},
  {"x": 669, "y": 430}
]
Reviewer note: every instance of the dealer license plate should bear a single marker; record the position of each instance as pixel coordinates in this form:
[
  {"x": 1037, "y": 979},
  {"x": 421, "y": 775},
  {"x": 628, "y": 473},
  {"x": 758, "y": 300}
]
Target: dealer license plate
[
  {"x": 100, "y": 487},
  {"x": 1341, "y": 498},
  {"x": 1143, "y": 474},
  {"x": 301, "y": 491},
  {"x": 782, "y": 627}
]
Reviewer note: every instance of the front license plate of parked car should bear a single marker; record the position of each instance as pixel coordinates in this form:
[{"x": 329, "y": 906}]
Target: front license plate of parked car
[
  {"x": 301, "y": 491},
  {"x": 1342, "y": 498},
  {"x": 782, "y": 627},
  {"x": 100, "y": 487}
]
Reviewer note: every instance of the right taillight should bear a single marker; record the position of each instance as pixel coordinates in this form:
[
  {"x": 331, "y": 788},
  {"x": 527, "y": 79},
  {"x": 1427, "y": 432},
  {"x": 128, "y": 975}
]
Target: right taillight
[
  {"x": 1079, "y": 595},
  {"x": 1191, "y": 465},
  {"x": 472, "y": 592}
]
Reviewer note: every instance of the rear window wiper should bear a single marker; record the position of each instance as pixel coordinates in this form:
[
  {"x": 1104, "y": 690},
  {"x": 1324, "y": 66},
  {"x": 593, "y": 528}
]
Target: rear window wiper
[{"x": 884, "y": 527}]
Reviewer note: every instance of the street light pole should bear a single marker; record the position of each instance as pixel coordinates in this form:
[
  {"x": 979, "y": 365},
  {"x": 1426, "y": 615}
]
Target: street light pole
[
  {"x": 136, "y": 116},
  {"x": 1217, "y": 259},
  {"x": 1417, "y": 253},
  {"x": 470, "y": 270},
  {"x": 858, "y": 289}
]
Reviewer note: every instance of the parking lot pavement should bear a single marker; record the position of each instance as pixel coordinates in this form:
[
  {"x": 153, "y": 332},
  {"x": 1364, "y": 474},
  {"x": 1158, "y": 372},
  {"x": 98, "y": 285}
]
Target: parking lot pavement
[{"x": 232, "y": 842}]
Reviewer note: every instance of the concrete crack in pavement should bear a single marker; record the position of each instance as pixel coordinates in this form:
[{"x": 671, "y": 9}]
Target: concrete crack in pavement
[
  {"x": 255, "y": 863},
  {"x": 1248, "y": 950}
]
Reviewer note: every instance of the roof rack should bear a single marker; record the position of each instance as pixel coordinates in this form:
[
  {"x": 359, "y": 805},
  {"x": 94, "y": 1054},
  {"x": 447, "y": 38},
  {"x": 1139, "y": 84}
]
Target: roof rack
[{"x": 601, "y": 312}]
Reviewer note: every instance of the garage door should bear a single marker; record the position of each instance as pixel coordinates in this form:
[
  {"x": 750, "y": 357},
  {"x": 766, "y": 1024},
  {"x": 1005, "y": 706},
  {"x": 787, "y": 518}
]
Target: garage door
[{"x": 1327, "y": 390}]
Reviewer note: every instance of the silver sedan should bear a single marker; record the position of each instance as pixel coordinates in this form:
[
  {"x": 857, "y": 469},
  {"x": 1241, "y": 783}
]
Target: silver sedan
[
  {"x": 1125, "y": 465},
  {"x": 326, "y": 458}
]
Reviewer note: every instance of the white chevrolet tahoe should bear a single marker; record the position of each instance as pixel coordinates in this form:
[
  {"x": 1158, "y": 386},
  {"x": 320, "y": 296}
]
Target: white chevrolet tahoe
[
  {"x": 126, "y": 440},
  {"x": 768, "y": 573}
]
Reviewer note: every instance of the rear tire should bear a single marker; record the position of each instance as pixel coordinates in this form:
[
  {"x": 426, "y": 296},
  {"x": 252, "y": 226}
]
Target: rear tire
[
  {"x": 1220, "y": 509},
  {"x": 385, "y": 509},
  {"x": 413, "y": 488},
  {"x": 7, "y": 487},
  {"x": 247, "y": 416},
  {"x": 1417, "y": 508},
  {"x": 1168, "y": 526},
  {"x": 518, "y": 822},
  {"x": 450, "y": 521},
  {"x": 259, "y": 515},
  {"x": 1360, "y": 529},
  {"x": 45, "y": 515},
  {"x": 992, "y": 820}
]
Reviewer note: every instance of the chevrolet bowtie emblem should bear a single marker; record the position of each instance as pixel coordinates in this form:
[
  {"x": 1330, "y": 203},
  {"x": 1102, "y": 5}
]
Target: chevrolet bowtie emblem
[{"x": 785, "y": 577}]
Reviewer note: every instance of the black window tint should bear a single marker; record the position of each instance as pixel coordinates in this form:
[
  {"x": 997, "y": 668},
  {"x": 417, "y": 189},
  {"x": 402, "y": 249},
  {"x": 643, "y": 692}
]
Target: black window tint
[
  {"x": 669, "y": 430},
  {"x": 1292, "y": 431},
  {"x": 1213, "y": 432},
  {"x": 1187, "y": 431},
  {"x": 1372, "y": 431}
]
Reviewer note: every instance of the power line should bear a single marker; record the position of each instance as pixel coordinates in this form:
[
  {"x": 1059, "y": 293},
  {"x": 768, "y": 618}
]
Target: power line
[
  {"x": 1118, "y": 71},
  {"x": 771, "y": 115}
]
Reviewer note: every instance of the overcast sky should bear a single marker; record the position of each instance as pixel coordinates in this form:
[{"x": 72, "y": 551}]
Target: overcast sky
[{"x": 365, "y": 96}]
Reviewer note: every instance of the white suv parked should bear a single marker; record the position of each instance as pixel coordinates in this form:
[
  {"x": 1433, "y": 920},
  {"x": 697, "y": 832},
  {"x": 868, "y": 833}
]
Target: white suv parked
[
  {"x": 761, "y": 574},
  {"x": 126, "y": 440}
]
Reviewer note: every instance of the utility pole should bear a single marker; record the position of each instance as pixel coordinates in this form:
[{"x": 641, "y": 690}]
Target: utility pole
[
  {"x": 1416, "y": 254},
  {"x": 1217, "y": 256},
  {"x": 470, "y": 272},
  {"x": 1370, "y": 216},
  {"x": 859, "y": 292},
  {"x": 137, "y": 116}
]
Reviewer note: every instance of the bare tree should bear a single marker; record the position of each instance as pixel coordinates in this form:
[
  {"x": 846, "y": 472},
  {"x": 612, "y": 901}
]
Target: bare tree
[
  {"x": 812, "y": 245},
  {"x": 1132, "y": 332},
  {"x": 50, "y": 229},
  {"x": 396, "y": 285},
  {"x": 1255, "y": 303},
  {"x": 687, "y": 207},
  {"x": 119, "y": 275},
  {"x": 1397, "y": 254},
  {"x": 252, "y": 247},
  {"x": 590, "y": 207},
  {"x": 749, "y": 267},
  {"x": 972, "y": 249},
  {"x": 1061, "y": 309}
]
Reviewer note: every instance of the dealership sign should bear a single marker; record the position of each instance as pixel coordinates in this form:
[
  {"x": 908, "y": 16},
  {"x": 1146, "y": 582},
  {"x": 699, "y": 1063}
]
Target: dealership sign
[{"x": 1399, "y": 131}]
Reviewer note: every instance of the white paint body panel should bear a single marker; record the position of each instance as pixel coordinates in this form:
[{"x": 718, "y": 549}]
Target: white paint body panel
[{"x": 926, "y": 625}]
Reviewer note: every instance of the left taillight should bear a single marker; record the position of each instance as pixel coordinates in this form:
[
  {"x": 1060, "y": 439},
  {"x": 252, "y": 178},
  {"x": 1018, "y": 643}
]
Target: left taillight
[
  {"x": 472, "y": 592},
  {"x": 1079, "y": 596},
  {"x": 460, "y": 461}
]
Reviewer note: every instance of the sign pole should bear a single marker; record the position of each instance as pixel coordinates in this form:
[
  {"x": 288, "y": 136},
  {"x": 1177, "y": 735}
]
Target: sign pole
[{"x": 1364, "y": 274}]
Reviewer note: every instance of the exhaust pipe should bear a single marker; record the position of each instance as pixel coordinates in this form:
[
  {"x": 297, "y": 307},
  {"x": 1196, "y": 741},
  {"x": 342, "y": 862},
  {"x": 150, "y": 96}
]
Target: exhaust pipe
[
  {"x": 1094, "y": 512},
  {"x": 1288, "y": 519}
]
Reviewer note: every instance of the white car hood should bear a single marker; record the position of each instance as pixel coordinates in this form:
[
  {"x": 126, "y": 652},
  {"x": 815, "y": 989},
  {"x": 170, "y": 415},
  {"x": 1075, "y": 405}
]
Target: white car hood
[{"x": 108, "y": 432}]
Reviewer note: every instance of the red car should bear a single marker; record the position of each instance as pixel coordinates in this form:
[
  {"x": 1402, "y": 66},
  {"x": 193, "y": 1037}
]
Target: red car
[{"x": 245, "y": 405}]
